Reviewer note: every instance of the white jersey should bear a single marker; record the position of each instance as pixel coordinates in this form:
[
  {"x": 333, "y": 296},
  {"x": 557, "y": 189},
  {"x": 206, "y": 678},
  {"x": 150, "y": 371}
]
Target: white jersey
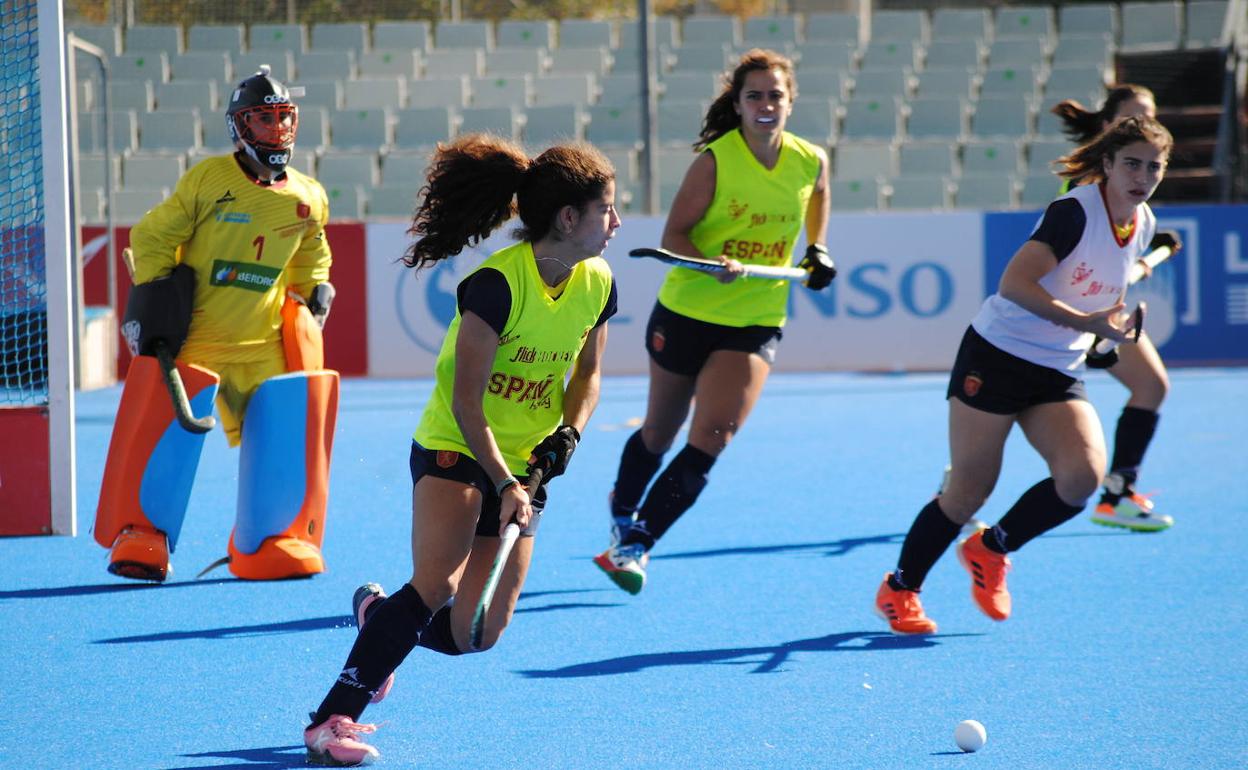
[{"x": 1091, "y": 274}]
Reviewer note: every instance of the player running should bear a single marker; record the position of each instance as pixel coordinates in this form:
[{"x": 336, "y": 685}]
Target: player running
[
  {"x": 226, "y": 272},
  {"x": 529, "y": 314},
  {"x": 712, "y": 339},
  {"x": 1020, "y": 362},
  {"x": 1139, "y": 367}
]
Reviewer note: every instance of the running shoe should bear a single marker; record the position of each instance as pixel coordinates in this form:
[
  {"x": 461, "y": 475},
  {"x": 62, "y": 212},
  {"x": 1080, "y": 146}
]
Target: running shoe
[
  {"x": 365, "y": 596},
  {"x": 987, "y": 569},
  {"x": 625, "y": 565},
  {"x": 140, "y": 553},
  {"x": 1133, "y": 511},
  {"x": 902, "y": 610},
  {"x": 336, "y": 743}
]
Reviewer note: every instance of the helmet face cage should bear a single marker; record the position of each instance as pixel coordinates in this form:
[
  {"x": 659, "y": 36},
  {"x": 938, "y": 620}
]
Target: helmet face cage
[{"x": 262, "y": 117}]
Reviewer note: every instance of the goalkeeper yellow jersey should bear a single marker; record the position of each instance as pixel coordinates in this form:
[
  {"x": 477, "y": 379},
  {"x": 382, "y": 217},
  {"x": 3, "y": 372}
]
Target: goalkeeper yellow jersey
[
  {"x": 248, "y": 243},
  {"x": 755, "y": 217}
]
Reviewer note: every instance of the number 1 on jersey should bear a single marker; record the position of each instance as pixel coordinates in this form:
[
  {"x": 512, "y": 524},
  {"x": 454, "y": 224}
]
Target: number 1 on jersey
[{"x": 259, "y": 244}]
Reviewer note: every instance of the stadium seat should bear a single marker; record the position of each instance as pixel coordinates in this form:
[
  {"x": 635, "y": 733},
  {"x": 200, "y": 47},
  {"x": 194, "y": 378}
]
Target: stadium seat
[
  {"x": 953, "y": 53},
  {"x": 863, "y": 160},
  {"x": 594, "y": 60},
  {"x": 399, "y": 35},
  {"x": 614, "y": 125},
  {"x": 202, "y": 65},
  {"x": 92, "y": 173},
  {"x": 1001, "y": 116},
  {"x": 1095, "y": 49},
  {"x": 423, "y": 126},
  {"x": 1083, "y": 82},
  {"x": 455, "y": 61},
  {"x": 710, "y": 28},
  {"x": 129, "y": 206},
  {"x": 367, "y": 129},
  {"x": 832, "y": 27},
  {"x": 515, "y": 33},
  {"x": 585, "y": 33},
  {"x": 404, "y": 168},
  {"x": 104, "y": 36},
  {"x": 965, "y": 24},
  {"x": 216, "y": 38},
  {"x": 774, "y": 32},
  {"x": 147, "y": 38},
  {"x": 958, "y": 82},
  {"x": 383, "y": 62},
  {"x": 1088, "y": 19},
  {"x": 664, "y": 33},
  {"x": 148, "y": 65},
  {"x": 813, "y": 119},
  {"x": 1150, "y": 25},
  {"x": 313, "y": 130},
  {"x": 1039, "y": 190},
  {"x": 346, "y": 201},
  {"x": 990, "y": 157},
  {"x": 564, "y": 89},
  {"x": 1042, "y": 152},
  {"x": 516, "y": 61},
  {"x": 927, "y": 159},
  {"x": 464, "y": 34},
  {"x": 321, "y": 93},
  {"x": 689, "y": 86},
  {"x": 822, "y": 55},
  {"x": 449, "y": 90},
  {"x": 624, "y": 159},
  {"x": 907, "y": 25},
  {"x": 341, "y": 36},
  {"x": 870, "y": 119},
  {"x": 986, "y": 191},
  {"x": 937, "y": 118},
  {"x": 1018, "y": 52},
  {"x": 1009, "y": 81},
  {"x": 499, "y": 120},
  {"x": 680, "y": 121},
  {"x": 823, "y": 84},
  {"x": 551, "y": 124},
  {"x": 855, "y": 194},
  {"x": 881, "y": 54},
  {"x": 502, "y": 91},
  {"x": 173, "y": 130},
  {"x": 147, "y": 171},
  {"x": 265, "y": 38},
  {"x": 908, "y": 192},
  {"x": 325, "y": 65},
  {"x": 1021, "y": 21},
  {"x": 131, "y": 95},
  {"x": 700, "y": 58},
  {"x": 188, "y": 95},
  {"x": 1205, "y": 19},
  {"x": 336, "y": 168},
  {"x": 394, "y": 202},
  {"x": 882, "y": 84},
  {"x": 375, "y": 93}
]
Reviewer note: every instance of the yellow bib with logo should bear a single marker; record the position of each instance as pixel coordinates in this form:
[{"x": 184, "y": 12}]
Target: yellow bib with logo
[
  {"x": 755, "y": 217},
  {"x": 540, "y": 342}
]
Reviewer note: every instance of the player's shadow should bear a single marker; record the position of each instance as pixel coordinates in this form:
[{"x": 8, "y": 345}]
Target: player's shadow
[
  {"x": 829, "y": 548},
  {"x": 235, "y": 632},
  {"x": 529, "y": 596},
  {"x": 107, "y": 588},
  {"x": 265, "y": 757},
  {"x": 765, "y": 659}
]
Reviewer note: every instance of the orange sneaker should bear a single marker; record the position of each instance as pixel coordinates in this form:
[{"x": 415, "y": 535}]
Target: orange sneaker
[
  {"x": 902, "y": 610},
  {"x": 987, "y": 568},
  {"x": 278, "y": 558},
  {"x": 140, "y": 553}
]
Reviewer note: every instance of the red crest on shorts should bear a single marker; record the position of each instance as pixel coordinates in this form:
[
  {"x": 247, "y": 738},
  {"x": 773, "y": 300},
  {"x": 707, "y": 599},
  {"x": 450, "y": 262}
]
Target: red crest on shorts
[
  {"x": 658, "y": 341},
  {"x": 303, "y": 210},
  {"x": 971, "y": 385},
  {"x": 447, "y": 459}
]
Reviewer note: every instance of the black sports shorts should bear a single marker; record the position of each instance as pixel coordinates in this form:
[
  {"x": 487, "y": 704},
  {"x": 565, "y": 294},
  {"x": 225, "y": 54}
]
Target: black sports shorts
[
  {"x": 456, "y": 466},
  {"x": 987, "y": 378},
  {"x": 681, "y": 344}
]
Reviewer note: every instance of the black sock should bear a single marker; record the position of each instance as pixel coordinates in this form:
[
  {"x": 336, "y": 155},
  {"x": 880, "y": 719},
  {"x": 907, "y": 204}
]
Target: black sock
[
  {"x": 438, "y": 636},
  {"x": 674, "y": 491},
  {"x": 1131, "y": 439},
  {"x": 1036, "y": 512},
  {"x": 385, "y": 640},
  {"x": 929, "y": 537},
  {"x": 637, "y": 466}
]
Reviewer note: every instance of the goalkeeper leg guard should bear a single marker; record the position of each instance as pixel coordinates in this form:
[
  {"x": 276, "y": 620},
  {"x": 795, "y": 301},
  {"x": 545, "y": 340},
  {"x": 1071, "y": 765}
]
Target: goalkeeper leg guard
[
  {"x": 283, "y": 477},
  {"x": 301, "y": 338},
  {"x": 149, "y": 471}
]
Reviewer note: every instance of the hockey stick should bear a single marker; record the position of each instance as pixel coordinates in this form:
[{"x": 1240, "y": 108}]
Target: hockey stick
[
  {"x": 510, "y": 535},
  {"x": 714, "y": 266},
  {"x": 173, "y": 380},
  {"x": 1146, "y": 263}
]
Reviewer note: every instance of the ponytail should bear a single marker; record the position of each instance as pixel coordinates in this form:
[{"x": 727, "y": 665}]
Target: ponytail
[{"x": 1081, "y": 124}]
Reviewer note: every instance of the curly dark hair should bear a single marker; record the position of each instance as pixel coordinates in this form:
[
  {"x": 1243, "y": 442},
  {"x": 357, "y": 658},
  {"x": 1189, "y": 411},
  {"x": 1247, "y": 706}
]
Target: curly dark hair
[{"x": 721, "y": 117}]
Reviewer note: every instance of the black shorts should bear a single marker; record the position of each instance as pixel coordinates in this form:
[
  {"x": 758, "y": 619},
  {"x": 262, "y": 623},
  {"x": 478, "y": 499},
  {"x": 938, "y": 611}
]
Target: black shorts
[
  {"x": 456, "y": 466},
  {"x": 987, "y": 378},
  {"x": 681, "y": 344}
]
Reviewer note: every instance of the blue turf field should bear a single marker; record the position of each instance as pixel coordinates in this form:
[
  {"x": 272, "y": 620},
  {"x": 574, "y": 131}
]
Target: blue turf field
[{"x": 753, "y": 646}]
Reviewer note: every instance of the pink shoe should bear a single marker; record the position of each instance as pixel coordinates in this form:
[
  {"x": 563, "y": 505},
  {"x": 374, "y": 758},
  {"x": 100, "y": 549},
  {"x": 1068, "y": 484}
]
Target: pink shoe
[
  {"x": 364, "y": 598},
  {"x": 336, "y": 743}
]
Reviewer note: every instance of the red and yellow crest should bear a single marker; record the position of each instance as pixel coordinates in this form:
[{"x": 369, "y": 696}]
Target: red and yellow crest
[
  {"x": 447, "y": 458},
  {"x": 972, "y": 383}
]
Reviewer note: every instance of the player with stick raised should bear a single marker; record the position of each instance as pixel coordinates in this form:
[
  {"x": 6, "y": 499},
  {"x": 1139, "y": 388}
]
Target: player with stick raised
[
  {"x": 712, "y": 337},
  {"x": 1139, "y": 367},
  {"x": 529, "y": 315},
  {"x": 1020, "y": 362}
]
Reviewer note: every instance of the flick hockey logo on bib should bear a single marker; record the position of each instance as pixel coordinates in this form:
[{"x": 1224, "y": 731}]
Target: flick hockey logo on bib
[{"x": 243, "y": 276}]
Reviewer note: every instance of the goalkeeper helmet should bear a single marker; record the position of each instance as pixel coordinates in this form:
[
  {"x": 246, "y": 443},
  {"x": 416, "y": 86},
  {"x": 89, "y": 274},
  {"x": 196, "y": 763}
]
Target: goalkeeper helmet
[{"x": 262, "y": 117}]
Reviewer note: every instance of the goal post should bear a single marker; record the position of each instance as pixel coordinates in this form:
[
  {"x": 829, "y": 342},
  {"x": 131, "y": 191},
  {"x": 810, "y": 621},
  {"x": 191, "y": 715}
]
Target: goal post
[{"x": 37, "y": 454}]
